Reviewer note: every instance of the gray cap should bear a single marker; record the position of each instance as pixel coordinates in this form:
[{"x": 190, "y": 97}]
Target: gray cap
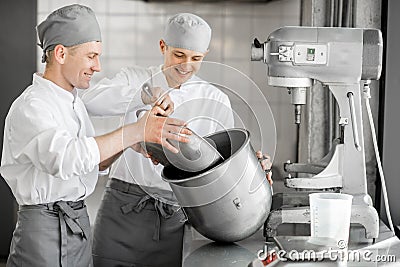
[
  {"x": 69, "y": 26},
  {"x": 188, "y": 31}
]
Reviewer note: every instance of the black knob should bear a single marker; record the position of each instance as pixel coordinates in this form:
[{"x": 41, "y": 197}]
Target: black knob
[{"x": 257, "y": 43}]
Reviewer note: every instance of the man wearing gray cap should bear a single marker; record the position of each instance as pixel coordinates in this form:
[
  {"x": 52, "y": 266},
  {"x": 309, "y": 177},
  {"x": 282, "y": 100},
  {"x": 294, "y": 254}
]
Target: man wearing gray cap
[
  {"x": 50, "y": 154},
  {"x": 139, "y": 222}
]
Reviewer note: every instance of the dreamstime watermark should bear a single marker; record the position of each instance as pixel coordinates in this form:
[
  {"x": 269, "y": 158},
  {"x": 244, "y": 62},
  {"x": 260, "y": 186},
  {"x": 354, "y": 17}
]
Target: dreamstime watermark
[{"x": 363, "y": 255}]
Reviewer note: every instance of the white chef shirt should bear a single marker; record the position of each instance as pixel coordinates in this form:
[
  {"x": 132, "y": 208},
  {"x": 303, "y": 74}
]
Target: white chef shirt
[
  {"x": 49, "y": 153},
  {"x": 202, "y": 105}
]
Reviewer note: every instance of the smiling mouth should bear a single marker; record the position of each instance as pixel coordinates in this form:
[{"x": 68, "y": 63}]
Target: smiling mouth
[
  {"x": 89, "y": 75},
  {"x": 183, "y": 72}
]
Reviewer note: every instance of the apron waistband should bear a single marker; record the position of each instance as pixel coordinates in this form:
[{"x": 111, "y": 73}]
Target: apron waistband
[
  {"x": 54, "y": 205},
  {"x": 125, "y": 187},
  {"x": 68, "y": 216},
  {"x": 162, "y": 209}
]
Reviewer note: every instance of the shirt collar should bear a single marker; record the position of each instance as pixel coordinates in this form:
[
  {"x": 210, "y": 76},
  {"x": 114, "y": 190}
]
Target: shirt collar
[{"x": 61, "y": 92}]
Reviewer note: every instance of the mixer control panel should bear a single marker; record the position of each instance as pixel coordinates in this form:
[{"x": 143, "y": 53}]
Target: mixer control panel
[{"x": 310, "y": 54}]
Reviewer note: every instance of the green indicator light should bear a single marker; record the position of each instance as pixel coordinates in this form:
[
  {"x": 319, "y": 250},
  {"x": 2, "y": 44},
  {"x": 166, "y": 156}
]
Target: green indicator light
[{"x": 311, "y": 51}]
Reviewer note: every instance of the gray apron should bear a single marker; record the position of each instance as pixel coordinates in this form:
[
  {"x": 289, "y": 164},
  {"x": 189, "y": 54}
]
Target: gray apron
[
  {"x": 53, "y": 234},
  {"x": 134, "y": 229}
]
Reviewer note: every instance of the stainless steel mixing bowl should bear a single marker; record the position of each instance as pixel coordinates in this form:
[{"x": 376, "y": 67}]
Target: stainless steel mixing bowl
[{"x": 230, "y": 201}]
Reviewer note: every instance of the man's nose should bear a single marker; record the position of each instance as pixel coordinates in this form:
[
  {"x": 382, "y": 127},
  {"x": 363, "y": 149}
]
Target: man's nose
[
  {"x": 186, "y": 64},
  {"x": 97, "y": 65}
]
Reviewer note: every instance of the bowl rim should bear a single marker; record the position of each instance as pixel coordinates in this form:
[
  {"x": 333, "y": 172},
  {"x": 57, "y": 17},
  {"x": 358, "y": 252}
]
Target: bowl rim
[{"x": 247, "y": 141}]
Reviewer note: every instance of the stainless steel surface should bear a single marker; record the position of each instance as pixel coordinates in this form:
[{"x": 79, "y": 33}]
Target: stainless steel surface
[
  {"x": 230, "y": 201},
  {"x": 298, "y": 99},
  {"x": 196, "y": 155},
  {"x": 200, "y": 251}
]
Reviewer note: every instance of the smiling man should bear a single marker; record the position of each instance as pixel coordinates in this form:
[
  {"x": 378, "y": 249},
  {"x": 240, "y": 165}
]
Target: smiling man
[{"x": 51, "y": 155}]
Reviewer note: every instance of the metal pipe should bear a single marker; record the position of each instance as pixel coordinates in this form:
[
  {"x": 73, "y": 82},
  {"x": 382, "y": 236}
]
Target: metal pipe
[
  {"x": 332, "y": 12},
  {"x": 340, "y": 13}
]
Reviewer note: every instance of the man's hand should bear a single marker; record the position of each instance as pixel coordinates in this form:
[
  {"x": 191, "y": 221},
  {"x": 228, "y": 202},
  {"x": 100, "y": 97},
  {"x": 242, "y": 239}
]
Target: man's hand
[
  {"x": 157, "y": 129},
  {"x": 156, "y": 96},
  {"x": 266, "y": 164}
]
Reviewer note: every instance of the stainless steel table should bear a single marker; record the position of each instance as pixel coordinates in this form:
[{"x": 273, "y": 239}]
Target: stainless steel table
[{"x": 200, "y": 251}]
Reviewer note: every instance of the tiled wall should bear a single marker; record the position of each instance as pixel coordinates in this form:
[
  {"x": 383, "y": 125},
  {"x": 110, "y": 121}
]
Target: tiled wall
[{"x": 132, "y": 29}]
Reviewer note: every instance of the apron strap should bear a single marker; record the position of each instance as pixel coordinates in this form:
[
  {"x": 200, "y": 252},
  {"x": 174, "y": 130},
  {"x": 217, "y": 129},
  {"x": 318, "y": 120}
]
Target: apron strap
[
  {"x": 162, "y": 209},
  {"x": 68, "y": 217}
]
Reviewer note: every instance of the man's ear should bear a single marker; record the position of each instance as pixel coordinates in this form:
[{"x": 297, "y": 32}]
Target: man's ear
[
  {"x": 163, "y": 46},
  {"x": 60, "y": 53}
]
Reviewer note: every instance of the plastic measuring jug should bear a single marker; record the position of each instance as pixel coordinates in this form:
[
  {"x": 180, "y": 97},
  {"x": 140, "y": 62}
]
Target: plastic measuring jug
[{"x": 330, "y": 218}]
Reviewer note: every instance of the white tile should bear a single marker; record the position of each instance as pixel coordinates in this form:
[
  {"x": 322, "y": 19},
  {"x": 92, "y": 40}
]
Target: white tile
[
  {"x": 259, "y": 76},
  {"x": 173, "y": 8},
  {"x": 146, "y": 8},
  {"x": 121, "y": 36},
  {"x": 122, "y": 7},
  {"x": 215, "y": 9},
  {"x": 217, "y": 37},
  {"x": 211, "y": 72},
  {"x": 263, "y": 27},
  {"x": 106, "y": 47},
  {"x": 290, "y": 7},
  {"x": 238, "y": 37},
  {"x": 114, "y": 65},
  {"x": 43, "y": 6},
  {"x": 103, "y": 21},
  {"x": 292, "y": 21},
  {"x": 241, "y": 66},
  {"x": 238, "y": 9},
  {"x": 235, "y": 77},
  {"x": 258, "y": 73},
  {"x": 266, "y": 10},
  {"x": 147, "y": 62},
  {"x": 148, "y": 32},
  {"x": 261, "y": 123}
]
